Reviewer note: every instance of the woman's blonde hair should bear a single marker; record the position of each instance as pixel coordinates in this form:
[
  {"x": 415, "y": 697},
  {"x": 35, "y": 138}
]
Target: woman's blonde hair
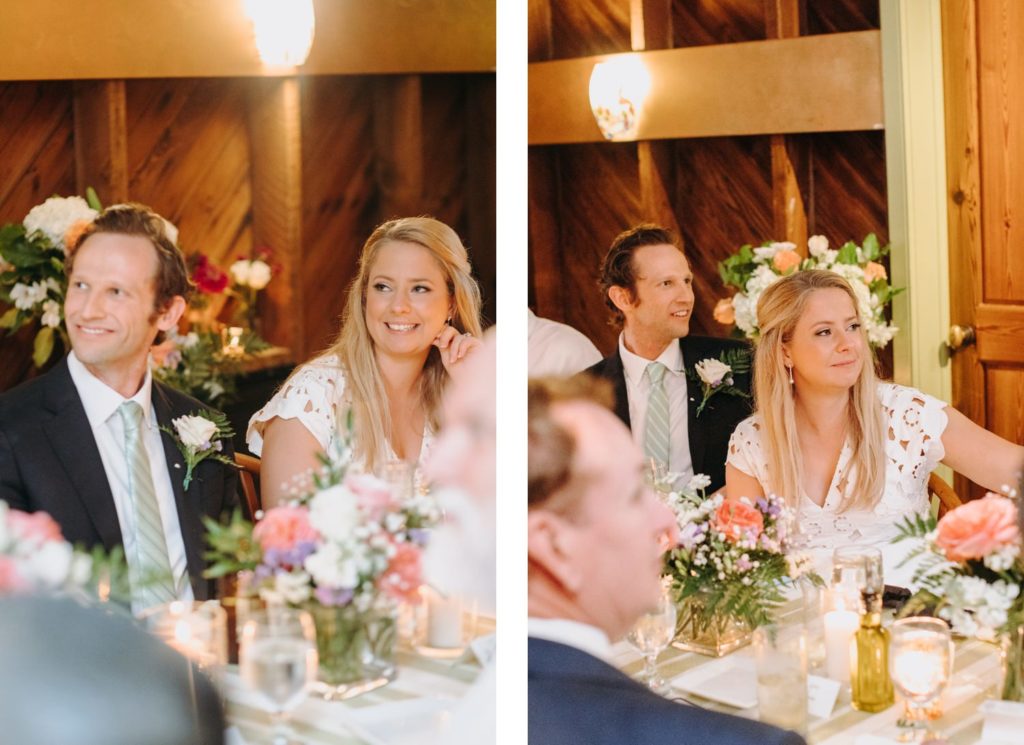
[
  {"x": 778, "y": 311},
  {"x": 364, "y": 386}
]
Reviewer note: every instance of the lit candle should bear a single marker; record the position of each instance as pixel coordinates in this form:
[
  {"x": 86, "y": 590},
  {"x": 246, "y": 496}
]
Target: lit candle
[
  {"x": 444, "y": 621},
  {"x": 840, "y": 626}
]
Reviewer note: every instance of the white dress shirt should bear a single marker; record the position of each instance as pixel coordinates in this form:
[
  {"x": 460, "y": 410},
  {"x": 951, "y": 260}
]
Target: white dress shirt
[
  {"x": 638, "y": 391},
  {"x": 101, "y": 404},
  {"x": 581, "y": 636},
  {"x": 557, "y": 349}
]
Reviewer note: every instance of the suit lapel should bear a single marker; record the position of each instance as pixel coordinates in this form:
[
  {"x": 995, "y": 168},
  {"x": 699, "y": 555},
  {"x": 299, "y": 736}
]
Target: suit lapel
[
  {"x": 694, "y": 431},
  {"x": 617, "y": 374},
  {"x": 75, "y": 446},
  {"x": 187, "y": 503}
]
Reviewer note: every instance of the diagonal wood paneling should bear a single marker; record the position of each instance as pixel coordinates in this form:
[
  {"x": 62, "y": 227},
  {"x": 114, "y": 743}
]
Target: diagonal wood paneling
[
  {"x": 699, "y": 22},
  {"x": 837, "y": 16},
  {"x": 583, "y": 27},
  {"x": 37, "y": 160}
]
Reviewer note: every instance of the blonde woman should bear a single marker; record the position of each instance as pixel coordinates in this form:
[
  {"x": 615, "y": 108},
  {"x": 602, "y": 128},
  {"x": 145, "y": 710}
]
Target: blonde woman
[
  {"x": 850, "y": 453},
  {"x": 412, "y": 316}
]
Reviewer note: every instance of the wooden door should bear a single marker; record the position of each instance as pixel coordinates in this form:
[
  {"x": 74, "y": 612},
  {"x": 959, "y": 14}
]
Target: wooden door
[{"x": 984, "y": 89}]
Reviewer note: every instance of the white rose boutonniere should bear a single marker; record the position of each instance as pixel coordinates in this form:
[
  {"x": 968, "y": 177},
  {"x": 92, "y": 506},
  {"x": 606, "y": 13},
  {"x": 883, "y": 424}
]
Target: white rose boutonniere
[
  {"x": 200, "y": 436},
  {"x": 716, "y": 376}
]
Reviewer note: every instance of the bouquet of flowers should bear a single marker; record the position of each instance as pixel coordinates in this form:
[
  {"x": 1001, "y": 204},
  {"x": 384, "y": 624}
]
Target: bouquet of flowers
[
  {"x": 732, "y": 553},
  {"x": 971, "y": 571},
  {"x": 248, "y": 278},
  {"x": 752, "y": 269},
  {"x": 32, "y": 277},
  {"x": 34, "y": 557}
]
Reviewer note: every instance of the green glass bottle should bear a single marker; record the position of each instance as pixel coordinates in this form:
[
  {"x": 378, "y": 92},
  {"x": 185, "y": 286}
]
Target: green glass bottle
[{"x": 871, "y": 686}]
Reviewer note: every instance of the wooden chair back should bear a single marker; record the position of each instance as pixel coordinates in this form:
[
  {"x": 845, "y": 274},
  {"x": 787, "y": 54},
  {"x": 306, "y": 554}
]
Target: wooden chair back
[
  {"x": 943, "y": 492},
  {"x": 248, "y": 476}
]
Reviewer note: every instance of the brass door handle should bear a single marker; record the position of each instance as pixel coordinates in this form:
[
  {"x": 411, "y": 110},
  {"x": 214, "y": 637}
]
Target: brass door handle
[{"x": 960, "y": 336}]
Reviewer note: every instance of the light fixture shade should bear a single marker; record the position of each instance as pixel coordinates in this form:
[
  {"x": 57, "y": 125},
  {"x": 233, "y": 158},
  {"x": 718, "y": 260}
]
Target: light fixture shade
[
  {"x": 283, "y": 30},
  {"x": 618, "y": 88}
]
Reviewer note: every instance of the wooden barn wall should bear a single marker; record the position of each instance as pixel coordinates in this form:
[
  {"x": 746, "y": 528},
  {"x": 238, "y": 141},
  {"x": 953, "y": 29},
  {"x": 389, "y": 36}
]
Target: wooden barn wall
[
  {"x": 720, "y": 189},
  {"x": 189, "y": 151},
  {"x": 37, "y": 159}
]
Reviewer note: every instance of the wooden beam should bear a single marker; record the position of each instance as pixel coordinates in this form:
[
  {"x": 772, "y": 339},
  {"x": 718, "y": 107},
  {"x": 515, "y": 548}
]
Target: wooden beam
[
  {"x": 650, "y": 24},
  {"x": 117, "y": 39},
  {"x": 658, "y": 183},
  {"x": 276, "y": 135},
  {"x": 547, "y": 277},
  {"x": 540, "y": 44},
  {"x": 398, "y": 141},
  {"x": 101, "y": 150},
  {"x": 826, "y": 83}
]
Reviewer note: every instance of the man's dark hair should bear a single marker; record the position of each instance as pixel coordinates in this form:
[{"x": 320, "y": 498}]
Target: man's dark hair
[
  {"x": 618, "y": 270},
  {"x": 136, "y": 219}
]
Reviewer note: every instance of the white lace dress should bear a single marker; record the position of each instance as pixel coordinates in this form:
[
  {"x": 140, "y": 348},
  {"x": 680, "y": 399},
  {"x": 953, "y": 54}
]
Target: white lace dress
[
  {"x": 315, "y": 396},
  {"x": 913, "y": 448}
]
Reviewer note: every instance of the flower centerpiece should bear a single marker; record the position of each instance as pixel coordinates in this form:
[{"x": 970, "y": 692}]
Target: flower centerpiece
[
  {"x": 729, "y": 567},
  {"x": 971, "y": 574},
  {"x": 753, "y": 269},
  {"x": 348, "y": 550},
  {"x": 248, "y": 278},
  {"x": 198, "y": 364}
]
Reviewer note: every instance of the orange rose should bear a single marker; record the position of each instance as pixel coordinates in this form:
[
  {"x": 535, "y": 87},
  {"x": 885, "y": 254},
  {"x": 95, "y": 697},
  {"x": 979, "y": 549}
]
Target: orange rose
[
  {"x": 785, "y": 260},
  {"x": 74, "y": 233},
  {"x": 976, "y": 529},
  {"x": 738, "y": 521},
  {"x": 725, "y": 313},
  {"x": 873, "y": 270}
]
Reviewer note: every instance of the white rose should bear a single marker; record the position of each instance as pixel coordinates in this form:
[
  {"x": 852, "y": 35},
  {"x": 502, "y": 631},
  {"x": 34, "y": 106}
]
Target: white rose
[
  {"x": 334, "y": 513},
  {"x": 195, "y": 431},
  {"x": 330, "y": 567},
  {"x": 240, "y": 271},
  {"x": 51, "y": 313},
  {"x": 50, "y": 563},
  {"x": 23, "y": 296},
  {"x": 745, "y": 309},
  {"x": 53, "y": 217},
  {"x": 712, "y": 371},
  {"x": 817, "y": 245},
  {"x": 259, "y": 274}
]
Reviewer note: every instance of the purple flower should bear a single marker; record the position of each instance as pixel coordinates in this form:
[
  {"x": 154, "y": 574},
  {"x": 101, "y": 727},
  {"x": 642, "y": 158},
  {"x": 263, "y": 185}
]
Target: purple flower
[
  {"x": 331, "y": 597},
  {"x": 419, "y": 536},
  {"x": 263, "y": 572},
  {"x": 744, "y": 563},
  {"x": 690, "y": 535}
]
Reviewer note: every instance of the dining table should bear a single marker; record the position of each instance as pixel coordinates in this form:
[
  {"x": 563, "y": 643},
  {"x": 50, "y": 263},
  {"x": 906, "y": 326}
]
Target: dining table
[
  {"x": 976, "y": 677},
  {"x": 416, "y": 707}
]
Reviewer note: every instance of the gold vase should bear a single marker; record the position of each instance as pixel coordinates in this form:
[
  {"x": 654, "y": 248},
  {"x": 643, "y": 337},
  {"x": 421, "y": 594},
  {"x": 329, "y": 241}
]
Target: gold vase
[{"x": 712, "y": 634}]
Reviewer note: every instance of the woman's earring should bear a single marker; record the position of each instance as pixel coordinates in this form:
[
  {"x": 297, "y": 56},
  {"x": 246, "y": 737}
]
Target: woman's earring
[
  {"x": 790, "y": 368},
  {"x": 448, "y": 321}
]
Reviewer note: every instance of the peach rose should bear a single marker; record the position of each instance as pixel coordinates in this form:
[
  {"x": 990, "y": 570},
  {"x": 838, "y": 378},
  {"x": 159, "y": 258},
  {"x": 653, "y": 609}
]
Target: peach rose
[
  {"x": 976, "y": 529},
  {"x": 374, "y": 496},
  {"x": 404, "y": 575},
  {"x": 74, "y": 232},
  {"x": 785, "y": 260},
  {"x": 738, "y": 520},
  {"x": 284, "y": 528},
  {"x": 725, "y": 312},
  {"x": 36, "y": 526},
  {"x": 873, "y": 270}
]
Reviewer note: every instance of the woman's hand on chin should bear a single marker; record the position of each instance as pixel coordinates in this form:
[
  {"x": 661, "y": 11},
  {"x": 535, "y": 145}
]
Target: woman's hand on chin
[{"x": 454, "y": 346}]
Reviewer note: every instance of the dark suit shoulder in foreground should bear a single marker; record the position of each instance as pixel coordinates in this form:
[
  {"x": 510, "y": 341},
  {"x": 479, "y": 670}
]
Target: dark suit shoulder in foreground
[{"x": 576, "y": 699}]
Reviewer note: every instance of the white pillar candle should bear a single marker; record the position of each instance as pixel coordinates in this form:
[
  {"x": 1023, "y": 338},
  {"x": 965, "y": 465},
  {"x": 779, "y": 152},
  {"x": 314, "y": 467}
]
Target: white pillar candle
[
  {"x": 840, "y": 626},
  {"x": 444, "y": 621}
]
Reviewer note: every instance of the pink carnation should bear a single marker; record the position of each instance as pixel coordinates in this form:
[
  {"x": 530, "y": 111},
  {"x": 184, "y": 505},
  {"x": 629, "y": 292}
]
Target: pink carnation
[
  {"x": 373, "y": 496},
  {"x": 37, "y": 526},
  {"x": 283, "y": 528},
  {"x": 404, "y": 576},
  {"x": 976, "y": 529},
  {"x": 10, "y": 579}
]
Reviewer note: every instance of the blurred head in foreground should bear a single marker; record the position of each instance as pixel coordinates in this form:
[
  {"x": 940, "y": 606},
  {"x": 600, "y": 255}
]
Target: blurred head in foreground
[
  {"x": 72, "y": 674},
  {"x": 461, "y": 556},
  {"x": 594, "y": 527}
]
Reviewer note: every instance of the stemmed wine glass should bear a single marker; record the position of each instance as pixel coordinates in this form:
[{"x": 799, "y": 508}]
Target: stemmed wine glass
[
  {"x": 921, "y": 661},
  {"x": 278, "y": 661},
  {"x": 651, "y": 633}
]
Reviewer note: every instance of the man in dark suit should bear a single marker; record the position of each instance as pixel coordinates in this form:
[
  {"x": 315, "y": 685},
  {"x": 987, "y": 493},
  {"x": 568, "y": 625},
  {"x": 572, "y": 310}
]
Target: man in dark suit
[
  {"x": 83, "y": 442},
  {"x": 595, "y": 537},
  {"x": 648, "y": 286}
]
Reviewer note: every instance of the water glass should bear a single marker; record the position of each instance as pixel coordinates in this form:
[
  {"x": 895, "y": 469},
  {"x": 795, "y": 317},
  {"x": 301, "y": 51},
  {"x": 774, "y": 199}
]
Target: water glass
[
  {"x": 813, "y": 601},
  {"x": 859, "y": 566},
  {"x": 278, "y": 661},
  {"x": 780, "y": 652},
  {"x": 921, "y": 663},
  {"x": 651, "y": 633}
]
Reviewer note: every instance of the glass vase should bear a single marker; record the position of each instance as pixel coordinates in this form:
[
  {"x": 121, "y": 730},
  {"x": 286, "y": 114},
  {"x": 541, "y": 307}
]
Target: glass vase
[
  {"x": 712, "y": 634},
  {"x": 356, "y": 648},
  {"x": 1013, "y": 665}
]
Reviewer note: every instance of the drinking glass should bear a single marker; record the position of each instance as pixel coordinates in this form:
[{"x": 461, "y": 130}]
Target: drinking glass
[
  {"x": 859, "y": 566},
  {"x": 780, "y": 652},
  {"x": 651, "y": 633},
  {"x": 921, "y": 662},
  {"x": 278, "y": 661},
  {"x": 399, "y": 475}
]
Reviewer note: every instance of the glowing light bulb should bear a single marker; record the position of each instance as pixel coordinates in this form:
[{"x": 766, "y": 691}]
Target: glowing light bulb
[
  {"x": 283, "y": 30},
  {"x": 618, "y": 88}
]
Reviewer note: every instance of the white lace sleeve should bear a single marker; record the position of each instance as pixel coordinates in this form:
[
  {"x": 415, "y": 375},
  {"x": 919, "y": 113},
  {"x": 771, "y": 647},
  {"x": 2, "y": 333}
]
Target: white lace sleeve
[
  {"x": 311, "y": 396},
  {"x": 914, "y": 437},
  {"x": 745, "y": 451}
]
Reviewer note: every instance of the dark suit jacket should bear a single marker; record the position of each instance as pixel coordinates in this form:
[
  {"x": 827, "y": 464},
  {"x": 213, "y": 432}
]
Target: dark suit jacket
[
  {"x": 576, "y": 698},
  {"x": 49, "y": 461},
  {"x": 709, "y": 433}
]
